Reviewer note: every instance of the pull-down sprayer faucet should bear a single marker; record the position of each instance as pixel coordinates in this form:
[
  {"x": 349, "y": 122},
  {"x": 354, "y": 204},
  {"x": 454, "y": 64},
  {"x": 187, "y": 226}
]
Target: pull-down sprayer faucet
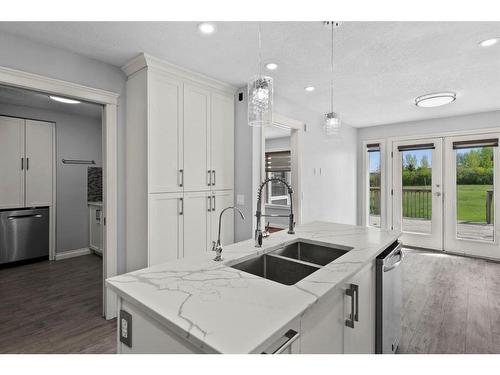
[{"x": 258, "y": 214}]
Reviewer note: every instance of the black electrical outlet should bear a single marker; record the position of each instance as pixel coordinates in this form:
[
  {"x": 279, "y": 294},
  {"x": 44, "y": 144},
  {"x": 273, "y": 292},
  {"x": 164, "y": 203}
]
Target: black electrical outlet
[{"x": 126, "y": 328}]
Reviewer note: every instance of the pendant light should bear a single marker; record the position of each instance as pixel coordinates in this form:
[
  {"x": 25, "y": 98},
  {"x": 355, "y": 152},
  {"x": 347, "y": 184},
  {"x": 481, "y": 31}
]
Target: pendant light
[
  {"x": 332, "y": 122},
  {"x": 260, "y": 96}
]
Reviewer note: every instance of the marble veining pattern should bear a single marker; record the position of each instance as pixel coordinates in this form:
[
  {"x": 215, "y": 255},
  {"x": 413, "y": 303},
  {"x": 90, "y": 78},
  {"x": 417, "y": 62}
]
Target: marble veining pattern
[{"x": 221, "y": 309}]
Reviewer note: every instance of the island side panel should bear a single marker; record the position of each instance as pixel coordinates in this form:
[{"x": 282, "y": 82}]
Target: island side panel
[{"x": 150, "y": 337}]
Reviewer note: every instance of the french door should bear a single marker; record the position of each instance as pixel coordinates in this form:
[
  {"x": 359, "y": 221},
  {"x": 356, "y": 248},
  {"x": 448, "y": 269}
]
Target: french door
[
  {"x": 445, "y": 193},
  {"x": 417, "y": 192},
  {"x": 471, "y": 201}
]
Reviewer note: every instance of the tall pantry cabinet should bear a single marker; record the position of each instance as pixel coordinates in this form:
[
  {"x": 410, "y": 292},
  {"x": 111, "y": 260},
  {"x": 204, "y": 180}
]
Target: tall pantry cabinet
[{"x": 180, "y": 162}]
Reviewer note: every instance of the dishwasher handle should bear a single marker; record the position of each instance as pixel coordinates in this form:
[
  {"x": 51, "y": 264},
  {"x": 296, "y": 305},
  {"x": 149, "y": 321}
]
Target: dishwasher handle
[
  {"x": 397, "y": 252},
  {"x": 24, "y": 216}
]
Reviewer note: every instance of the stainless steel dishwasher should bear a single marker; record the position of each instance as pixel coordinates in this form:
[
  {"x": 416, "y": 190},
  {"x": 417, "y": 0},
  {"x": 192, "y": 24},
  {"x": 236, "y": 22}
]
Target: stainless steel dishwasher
[
  {"x": 24, "y": 234},
  {"x": 389, "y": 299}
]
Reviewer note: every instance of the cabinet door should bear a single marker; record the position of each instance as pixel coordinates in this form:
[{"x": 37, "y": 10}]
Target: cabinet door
[
  {"x": 221, "y": 200},
  {"x": 39, "y": 163},
  {"x": 165, "y": 215},
  {"x": 196, "y": 223},
  {"x": 322, "y": 326},
  {"x": 11, "y": 162},
  {"x": 222, "y": 136},
  {"x": 164, "y": 134},
  {"x": 196, "y": 138},
  {"x": 361, "y": 338}
]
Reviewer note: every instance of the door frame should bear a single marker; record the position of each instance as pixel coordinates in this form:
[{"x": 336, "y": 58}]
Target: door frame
[
  {"x": 297, "y": 129},
  {"x": 109, "y": 100}
]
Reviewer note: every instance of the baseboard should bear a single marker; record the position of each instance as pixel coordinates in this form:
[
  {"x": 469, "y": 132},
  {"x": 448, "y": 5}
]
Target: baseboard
[{"x": 73, "y": 253}]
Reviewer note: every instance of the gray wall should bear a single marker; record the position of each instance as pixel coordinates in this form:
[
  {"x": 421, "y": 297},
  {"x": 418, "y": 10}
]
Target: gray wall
[
  {"x": 26, "y": 55},
  {"x": 475, "y": 121},
  {"x": 329, "y": 175},
  {"x": 77, "y": 137}
]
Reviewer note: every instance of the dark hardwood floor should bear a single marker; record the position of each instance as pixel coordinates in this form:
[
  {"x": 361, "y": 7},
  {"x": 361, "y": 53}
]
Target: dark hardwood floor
[
  {"x": 451, "y": 304},
  {"x": 54, "y": 307}
]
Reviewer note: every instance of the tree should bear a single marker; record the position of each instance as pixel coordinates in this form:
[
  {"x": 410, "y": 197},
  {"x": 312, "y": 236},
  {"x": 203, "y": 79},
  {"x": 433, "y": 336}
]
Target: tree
[
  {"x": 424, "y": 162},
  {"x": 410, "y": 162}
]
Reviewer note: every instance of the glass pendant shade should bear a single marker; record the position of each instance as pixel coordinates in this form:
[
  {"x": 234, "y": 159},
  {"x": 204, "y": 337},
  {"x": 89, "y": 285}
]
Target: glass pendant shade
[
  {"x": 260, "y": 101},
  {"x": 332, "y": 124}
]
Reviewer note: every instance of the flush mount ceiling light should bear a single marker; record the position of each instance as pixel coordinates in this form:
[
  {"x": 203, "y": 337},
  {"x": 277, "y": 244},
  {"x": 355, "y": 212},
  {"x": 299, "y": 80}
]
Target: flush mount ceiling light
[
  {"x": 489, "y": 42},
  {"x": 309, "y": 88},
  {"x": 271, "y": 66},
  {"x": 206, "y": 28},
  {"x": 435, "y": 100},
  {"x": 332, "y": 123},
  {"x": 64, "y": 100},
  {"x": 260, "y": 96}
]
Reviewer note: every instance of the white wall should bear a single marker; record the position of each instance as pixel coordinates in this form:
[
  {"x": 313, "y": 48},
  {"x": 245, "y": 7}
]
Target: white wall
[
  {"x": 278, "y": 144},
  {"x": 77, "y": 137},
  {"x": 26, "y": 55},
  {"x": 330, "y": 195},
  {"x": 436, "y": 126}
]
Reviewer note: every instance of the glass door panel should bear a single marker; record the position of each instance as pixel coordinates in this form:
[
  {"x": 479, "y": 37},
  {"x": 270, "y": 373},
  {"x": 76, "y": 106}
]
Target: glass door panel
[
  {"x": 417, "y": 192},
  {"x": 374, "y": 179}
]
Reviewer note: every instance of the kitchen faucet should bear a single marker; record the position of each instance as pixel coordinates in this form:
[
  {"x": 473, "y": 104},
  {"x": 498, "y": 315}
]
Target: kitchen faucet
[
  {"x": 216, "y": 246},
  {"x": 259, "y": 215}
]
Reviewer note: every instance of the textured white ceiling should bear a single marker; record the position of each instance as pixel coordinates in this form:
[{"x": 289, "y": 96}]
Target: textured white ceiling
[
  {"x": 380, "y": 67},
  {"x": 17, "y": 96}
]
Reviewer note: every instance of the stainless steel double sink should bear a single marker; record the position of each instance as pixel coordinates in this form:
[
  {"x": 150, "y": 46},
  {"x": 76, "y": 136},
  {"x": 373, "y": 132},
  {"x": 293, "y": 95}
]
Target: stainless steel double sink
[{"x": 292, "y": 263}]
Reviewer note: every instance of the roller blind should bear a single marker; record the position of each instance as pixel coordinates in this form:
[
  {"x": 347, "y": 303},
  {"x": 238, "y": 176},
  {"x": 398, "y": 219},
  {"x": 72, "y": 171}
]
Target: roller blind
[
  {"x": 492, "y": 142},
  {"x": 422, "y": 146},
  {"x": 373, "y": 147},
  {"x": 279, "y": 161}
]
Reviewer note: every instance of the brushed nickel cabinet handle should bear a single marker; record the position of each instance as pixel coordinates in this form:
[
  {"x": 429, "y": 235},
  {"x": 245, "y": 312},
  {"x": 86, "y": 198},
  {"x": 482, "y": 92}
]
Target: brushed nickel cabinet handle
[
  {"x": 213, "y": 181},
  {"x": 22, "y": 163},
  {"x": 27, "y": 163},
  {"x": 181, "y": 177},
  {"x": 213, "y": 205},
  {"x": 292, "y": 336},
  {"x": 209, "y": 203},
  {"x": 181, "y": 201},
  {"x": 353, "y": 316},
  {"x": 209, "y": 178}
]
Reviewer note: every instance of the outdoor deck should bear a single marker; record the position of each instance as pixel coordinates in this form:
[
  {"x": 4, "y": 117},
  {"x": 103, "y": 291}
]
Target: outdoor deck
[{"x": 466, "y": 230}]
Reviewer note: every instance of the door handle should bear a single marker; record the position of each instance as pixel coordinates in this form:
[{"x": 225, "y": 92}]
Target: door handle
[
  {"x": 213, "y": 205},
  {"x": 209, "y": 203},
  {"x": 354, "y": 315},
  {"x": 213, "y": 173},
  {"x": 22, "y": 163},
  {"x": 181, "y": 201},
  {"x": 27, "y": 163},
  {"x": 209, "y": 177},
  {"x": 181, "y": 177}
]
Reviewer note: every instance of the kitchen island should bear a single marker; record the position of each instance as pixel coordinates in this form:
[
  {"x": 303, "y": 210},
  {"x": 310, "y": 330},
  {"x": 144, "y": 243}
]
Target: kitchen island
[{"x": 198, "y": 305}]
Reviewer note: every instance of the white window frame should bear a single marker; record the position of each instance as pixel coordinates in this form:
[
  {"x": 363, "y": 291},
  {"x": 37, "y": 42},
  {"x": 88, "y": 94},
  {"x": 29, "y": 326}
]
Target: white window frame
[{"x": 384, "y": 156}]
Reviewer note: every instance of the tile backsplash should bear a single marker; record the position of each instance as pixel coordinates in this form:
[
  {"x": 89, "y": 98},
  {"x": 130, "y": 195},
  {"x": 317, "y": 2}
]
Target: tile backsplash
[{"x": 94, "y": 184}]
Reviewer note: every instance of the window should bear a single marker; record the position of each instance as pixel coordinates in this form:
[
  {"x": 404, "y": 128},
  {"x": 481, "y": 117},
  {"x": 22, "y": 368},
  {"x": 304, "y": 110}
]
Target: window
[
  {"x": 374, "y": 184},
  {"x": 278, "y": 164}
]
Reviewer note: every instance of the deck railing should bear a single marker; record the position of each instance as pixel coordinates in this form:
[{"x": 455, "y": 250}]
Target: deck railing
[{"x": 417, "y": 203}]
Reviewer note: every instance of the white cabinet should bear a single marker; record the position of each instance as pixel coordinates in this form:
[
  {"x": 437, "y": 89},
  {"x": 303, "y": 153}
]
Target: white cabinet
[
  {"x": 27, "y": 163},
  {"x": 196, "y": 138},
  {"x": 180, "y": 130},
  {"x": 11, "y": 162},
  {"x": 166, "y": 213},
  {"x": 344, "y": 320},
  {"x": 39, "y": 163},
  {"x": 164, "y": 133},
  {"x": 196, "y": 223},
  {"x": 95, "y": 227},
  {"x": 222, "y": 145},
  {"x": 360, "y": 337}
]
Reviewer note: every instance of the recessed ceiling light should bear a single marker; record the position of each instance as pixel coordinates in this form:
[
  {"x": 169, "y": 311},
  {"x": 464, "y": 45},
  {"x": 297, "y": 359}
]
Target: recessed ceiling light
[
  {"x": 271, "y": 66},
  {"x": 64, "y": 100},
  {"x": 206, "y": 28},
  {"x": 435, "y": 100},
  {"x": 489, "y": 42},
  {"x": 309, "y": 88}
]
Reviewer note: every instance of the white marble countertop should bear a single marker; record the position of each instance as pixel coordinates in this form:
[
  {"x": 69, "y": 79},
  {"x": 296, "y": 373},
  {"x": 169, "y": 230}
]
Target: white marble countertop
[{"x": 221, "y": 309}]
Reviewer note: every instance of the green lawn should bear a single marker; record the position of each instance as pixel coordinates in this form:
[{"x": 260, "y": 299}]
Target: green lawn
[{"x": 471, "y": 203}]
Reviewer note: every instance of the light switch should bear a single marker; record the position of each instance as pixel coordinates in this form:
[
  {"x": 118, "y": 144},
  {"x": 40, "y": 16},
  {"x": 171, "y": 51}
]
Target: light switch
[
  {"x": 126, "y": 328},
  {"x": 240, "y": 199}
]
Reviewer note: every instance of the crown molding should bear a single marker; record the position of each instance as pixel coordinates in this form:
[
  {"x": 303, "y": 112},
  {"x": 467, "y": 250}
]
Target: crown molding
[
  {"x": 147, "y": 61},
  {"x": 18, "y": 78}
]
